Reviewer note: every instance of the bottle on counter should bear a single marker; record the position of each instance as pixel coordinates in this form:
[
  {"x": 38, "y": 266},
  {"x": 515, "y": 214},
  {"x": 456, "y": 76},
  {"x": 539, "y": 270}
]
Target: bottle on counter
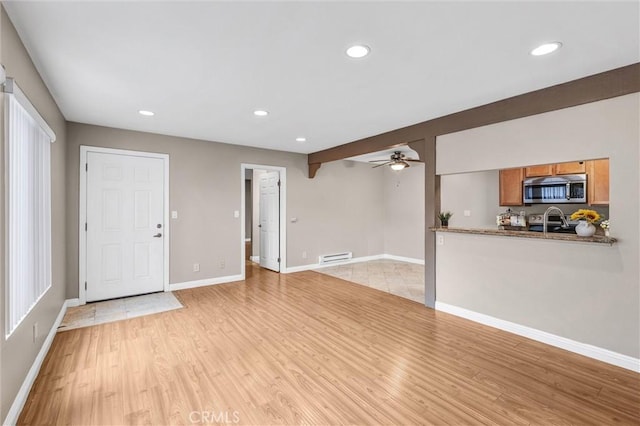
[{"x": 511, "y": 220}]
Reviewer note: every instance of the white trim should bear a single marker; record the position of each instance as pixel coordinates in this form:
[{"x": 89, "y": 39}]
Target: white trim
[
  {"x": 12, "y": 88},
  {"x": 312, "y": 266},
  {"x": 27, "y": 383},
  {"x": 283, "y": 213},
  {"x": 585, "y": 349},
  {"x": 205, "y": 282},
  {"x": 247, "y": 240},
  {"x": 327, "y": 265},
  {"x": 82, "y": 235},
  {"x": 255, "y": 259},
  {"x": 403, "y": 259}
]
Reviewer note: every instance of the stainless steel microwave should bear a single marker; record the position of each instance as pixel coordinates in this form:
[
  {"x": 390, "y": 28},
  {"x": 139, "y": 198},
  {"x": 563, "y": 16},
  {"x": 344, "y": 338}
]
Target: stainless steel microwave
[{"x": 555, "y": 189}]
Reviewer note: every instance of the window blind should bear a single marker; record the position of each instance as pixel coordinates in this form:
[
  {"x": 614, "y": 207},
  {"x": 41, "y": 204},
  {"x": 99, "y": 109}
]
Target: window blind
[{"x": 28, "y": 206}]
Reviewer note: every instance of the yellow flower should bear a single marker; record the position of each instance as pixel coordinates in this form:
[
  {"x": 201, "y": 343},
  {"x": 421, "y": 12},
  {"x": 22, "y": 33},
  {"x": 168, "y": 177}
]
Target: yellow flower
[{"x": 590, "y": 216}]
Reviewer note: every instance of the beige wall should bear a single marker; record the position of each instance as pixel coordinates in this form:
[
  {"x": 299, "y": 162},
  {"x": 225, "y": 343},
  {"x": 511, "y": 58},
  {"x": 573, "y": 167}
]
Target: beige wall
[
  {"x": 584, "y": 292},
  {"x": 404, "y": 211},
  {"x": 341, "y": 209},
  {"x": 476, "y": 192},
  {"x": 19, "y": 351}
]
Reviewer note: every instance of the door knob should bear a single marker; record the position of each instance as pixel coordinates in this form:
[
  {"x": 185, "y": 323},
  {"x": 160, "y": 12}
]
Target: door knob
[{"x": 158, "y": 235}]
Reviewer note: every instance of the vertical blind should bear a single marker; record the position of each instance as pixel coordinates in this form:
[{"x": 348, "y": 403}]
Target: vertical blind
[{"x": 28, "y": 207}]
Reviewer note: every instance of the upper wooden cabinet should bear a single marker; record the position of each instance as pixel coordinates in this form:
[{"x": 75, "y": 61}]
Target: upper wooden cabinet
[
  {"x": 574, "y": 167},
  {"x": 598, "y": 182},
  {"x": 511, "y": 187},
  {"x": 542, "y": 170},
  {"x": 571, "y": 168}
]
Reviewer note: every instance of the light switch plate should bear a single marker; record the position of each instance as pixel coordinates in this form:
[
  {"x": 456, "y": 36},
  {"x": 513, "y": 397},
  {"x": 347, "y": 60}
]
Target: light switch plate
[
  {"x": 236, "y": 214},
  {"x": 174, "y": 214},
  {"x": 467, "y": 213}
]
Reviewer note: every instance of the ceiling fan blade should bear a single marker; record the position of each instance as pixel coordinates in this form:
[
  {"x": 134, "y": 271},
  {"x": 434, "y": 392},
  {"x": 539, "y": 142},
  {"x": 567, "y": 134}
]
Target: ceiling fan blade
[
  {"x": 411, "y": 159},
  {"x": 380, "y": 165},
  {"x": 376, "y": 161}
]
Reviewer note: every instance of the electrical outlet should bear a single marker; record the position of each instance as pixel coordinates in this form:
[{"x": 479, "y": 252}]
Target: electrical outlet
[
  {"x": 174, "y": 214},
  {"x": 35, "y": 332},
  {"x": 222, "y": 264},
  {"x": 440, "y": 240},
  {"x": 304, "y": 254},
  {"x": 467, "y": 213},
  {"x": 196, "y": 267}
]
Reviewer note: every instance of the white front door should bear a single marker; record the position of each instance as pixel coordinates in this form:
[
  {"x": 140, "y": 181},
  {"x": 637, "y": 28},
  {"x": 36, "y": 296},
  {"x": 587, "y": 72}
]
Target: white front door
[
  {"x": 125, "y": 225},
  {"x": 270, "y": 221}
]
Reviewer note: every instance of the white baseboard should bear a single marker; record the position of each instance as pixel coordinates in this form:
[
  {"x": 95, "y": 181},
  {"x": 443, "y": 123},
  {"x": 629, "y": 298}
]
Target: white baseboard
[
  {"x": 71, "y": 303},
  {"x": 205, "y": 282},
  {"x": 327, "y": 265},
  {"x": 585, "y": 349},
  {"x": 353, "y": 260},
  {"x": 255, "y": 259},
  {"x": 403, "y": 259},
  {"x": 23, "y": 393}
]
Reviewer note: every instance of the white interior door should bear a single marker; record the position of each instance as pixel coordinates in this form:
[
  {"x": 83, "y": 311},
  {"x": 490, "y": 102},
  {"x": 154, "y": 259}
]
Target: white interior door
[
  {"x": 270, "y": 221},
  {"x": 125, "y": 225}
]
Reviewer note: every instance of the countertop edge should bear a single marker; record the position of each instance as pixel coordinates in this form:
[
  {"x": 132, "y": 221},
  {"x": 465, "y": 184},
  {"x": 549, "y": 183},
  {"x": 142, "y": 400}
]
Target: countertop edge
[{"x": 597, "y": 239}]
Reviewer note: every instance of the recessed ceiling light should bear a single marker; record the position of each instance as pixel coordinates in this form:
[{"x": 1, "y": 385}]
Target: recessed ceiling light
[
  {"x": 358, "y": 51},
  {"x": 301, "y": 139},
  {"x": 146, "y": 113},
  {"x": 260, "y": 112},
  {"x": 545, "y": 49}
]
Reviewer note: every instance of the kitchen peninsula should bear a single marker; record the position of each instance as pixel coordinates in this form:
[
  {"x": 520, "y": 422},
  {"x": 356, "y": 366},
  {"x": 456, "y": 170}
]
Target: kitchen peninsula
[{"x": 598, "y": 239}]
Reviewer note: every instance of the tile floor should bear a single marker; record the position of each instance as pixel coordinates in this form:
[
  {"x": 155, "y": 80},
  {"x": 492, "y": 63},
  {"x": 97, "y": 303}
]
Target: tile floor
[
  {"x": 400, "y": 278},
  {"x": 118, "y": 309}
]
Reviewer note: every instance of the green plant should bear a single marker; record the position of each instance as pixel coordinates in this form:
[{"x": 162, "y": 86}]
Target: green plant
[{"x": 444, "y": 216}]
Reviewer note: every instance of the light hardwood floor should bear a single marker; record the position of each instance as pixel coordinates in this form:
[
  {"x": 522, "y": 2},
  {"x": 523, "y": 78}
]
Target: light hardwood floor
[{"x": 310, "y": 348}]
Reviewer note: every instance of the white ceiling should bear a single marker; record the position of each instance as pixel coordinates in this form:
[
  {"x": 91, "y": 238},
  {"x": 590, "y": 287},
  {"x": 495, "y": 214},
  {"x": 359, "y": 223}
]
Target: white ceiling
[
  {"x": 203, "y": 67},
  {"x": 386, "y": 155}
]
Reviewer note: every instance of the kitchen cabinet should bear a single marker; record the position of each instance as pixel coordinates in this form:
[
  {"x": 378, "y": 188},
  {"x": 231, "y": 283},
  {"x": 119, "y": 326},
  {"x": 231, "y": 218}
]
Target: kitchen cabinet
[
  {"x": 572, "y": 168},
  {"x": 511, "y": 186},
  {"x": 598, "y": 182},
  {"x": 541, "y": 170}
]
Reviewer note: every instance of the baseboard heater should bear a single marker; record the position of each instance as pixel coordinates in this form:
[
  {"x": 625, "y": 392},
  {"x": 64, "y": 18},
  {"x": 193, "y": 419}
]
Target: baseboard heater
[{"x": 335, "y": 257}]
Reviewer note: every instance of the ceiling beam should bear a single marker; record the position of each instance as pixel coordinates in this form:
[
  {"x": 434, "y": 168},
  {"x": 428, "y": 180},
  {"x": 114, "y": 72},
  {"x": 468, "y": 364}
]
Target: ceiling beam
[{"x": 605, "y": 85}]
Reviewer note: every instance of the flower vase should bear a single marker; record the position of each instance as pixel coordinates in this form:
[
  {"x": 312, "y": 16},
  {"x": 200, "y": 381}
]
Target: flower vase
[
  {"x": 444, "y": 223},
  {"x": 585, "y": 229},
  {"x": 607, "y": 233}
]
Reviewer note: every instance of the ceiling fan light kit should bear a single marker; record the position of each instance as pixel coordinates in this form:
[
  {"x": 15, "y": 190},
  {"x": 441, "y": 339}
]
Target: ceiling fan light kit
[
  {"x": 398, "y": 161},
  {"x": 398, "y": 165}
]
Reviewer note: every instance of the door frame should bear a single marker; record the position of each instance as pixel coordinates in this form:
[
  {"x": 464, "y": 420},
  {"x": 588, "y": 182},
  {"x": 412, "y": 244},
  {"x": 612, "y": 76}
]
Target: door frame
[
  {"x": 82, "y": 213},
  {"x": 283, "y": 213}
]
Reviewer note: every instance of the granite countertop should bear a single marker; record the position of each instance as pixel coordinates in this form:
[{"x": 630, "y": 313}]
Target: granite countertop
[{"x": 599, "y": 239}]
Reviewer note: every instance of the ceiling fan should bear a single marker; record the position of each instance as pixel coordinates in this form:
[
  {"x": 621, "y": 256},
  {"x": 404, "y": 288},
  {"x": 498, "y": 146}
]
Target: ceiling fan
[{"x": 398, "y": 161}]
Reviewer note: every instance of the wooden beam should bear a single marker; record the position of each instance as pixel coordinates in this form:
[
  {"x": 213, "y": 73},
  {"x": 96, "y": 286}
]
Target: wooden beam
[
  {"x": 609, "y": 84},
  {"x": 313, "y": 169}
]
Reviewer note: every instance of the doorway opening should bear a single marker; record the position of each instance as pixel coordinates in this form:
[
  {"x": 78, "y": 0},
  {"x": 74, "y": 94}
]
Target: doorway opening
[{"x": 263, "y": 216}]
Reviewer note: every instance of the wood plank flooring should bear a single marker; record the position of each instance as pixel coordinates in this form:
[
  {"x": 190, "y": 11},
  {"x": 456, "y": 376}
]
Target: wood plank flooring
[{"x": 307, "y": 348}]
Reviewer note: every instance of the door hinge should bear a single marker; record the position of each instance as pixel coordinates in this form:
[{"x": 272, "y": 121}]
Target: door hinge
[
  {"x": 278, "y": 183},
  {"x": 85, "y": 286},
  {"x": 86, "y": 167},
  {"x": 85, "y": 226},
  {"x": 278, "y": 260}
]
